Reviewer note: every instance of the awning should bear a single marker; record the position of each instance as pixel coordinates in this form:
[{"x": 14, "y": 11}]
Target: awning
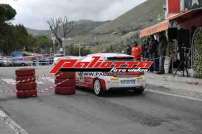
[
  {"x": 162, "y": 26},
  {"x": 186, "y": 15}
]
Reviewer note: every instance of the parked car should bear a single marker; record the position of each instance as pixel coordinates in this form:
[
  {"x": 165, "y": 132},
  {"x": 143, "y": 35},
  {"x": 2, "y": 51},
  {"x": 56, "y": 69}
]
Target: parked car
[
  {"x": 6, "y": 61},
  {"x": 113, "y": 81},
  {"x": 22, "y": 61},
  {"x": 57, "y": 57},
  {"x": 46, "y": 61},
  {"x": 1, "y": 61}
]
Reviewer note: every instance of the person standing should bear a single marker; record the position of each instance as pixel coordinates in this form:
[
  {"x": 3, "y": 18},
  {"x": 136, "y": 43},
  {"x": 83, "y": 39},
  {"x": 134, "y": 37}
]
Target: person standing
[
  {"x": 162, "y": 51},
  {"x": 145, "y": 50},
  {"x": 137, "y": 51},
  {"x": 154, "y": 53},
  {"x": 129, "y": 49}
]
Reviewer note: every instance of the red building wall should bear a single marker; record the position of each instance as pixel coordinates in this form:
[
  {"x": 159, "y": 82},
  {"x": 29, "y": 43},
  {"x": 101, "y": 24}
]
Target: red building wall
[{"x": 173, "y": 6}]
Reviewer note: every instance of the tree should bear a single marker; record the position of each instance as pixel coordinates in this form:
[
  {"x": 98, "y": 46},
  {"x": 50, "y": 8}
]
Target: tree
[
  {"x": 16, "y": 37},
  {"x": 6, "y": 13},
  {"x": 197, "y": 52},
  {"x": 43, "y": 44},
  {"x": 74, "y": 50},
  {"x": 60, "y": 27}
]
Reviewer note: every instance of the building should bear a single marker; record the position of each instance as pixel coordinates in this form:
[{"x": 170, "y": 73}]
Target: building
[{"x": 183, "y": 19}]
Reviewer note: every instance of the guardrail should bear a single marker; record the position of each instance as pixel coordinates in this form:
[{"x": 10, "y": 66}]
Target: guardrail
[{"x": 39, "y": 62}]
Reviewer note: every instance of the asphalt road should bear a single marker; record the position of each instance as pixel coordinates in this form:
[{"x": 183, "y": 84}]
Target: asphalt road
[{"x": 84, "y": 113}]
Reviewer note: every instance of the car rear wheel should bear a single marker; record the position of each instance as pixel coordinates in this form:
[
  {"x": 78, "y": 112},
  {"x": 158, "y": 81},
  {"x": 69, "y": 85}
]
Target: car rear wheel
[
  {"x": 97, "y": 88},
  {"x": 139, "y": 90}
]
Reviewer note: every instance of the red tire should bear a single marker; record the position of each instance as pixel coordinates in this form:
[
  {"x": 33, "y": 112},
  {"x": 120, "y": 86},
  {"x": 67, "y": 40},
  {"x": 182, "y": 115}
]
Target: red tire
[
  {"x": 30, "y": 93},
  {"x": 25, "y": 72},
  {"x": 25, "y": 93},
  {"x": 26, "y": 79},
  {"x": 65, "y": 75},
  {"x": 20, "y": 94},
  {"x": 64, "y": 83},
  {"x": 26, "y": 86},
  {"x": 65, "y": 90}
]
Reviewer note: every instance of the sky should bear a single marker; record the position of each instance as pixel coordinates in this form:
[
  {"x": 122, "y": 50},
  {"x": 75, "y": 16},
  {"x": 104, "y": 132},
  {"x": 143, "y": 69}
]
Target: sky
[{"x": 35, "y": 13}]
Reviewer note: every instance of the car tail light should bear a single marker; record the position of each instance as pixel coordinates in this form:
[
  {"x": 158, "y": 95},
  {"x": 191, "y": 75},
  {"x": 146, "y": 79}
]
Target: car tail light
[{"x": 114, "y": 78}]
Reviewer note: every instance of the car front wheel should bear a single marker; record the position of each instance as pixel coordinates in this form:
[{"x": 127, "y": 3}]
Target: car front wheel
[{"x": 97, "y": 87}]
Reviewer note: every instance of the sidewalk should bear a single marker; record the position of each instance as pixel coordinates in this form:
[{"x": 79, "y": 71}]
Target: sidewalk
[{"x": 184, "y": 86}]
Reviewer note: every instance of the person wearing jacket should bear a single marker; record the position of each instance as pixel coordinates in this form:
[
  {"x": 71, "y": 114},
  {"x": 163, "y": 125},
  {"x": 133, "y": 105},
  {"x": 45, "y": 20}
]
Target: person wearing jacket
[{"x": 137, "y": 51}]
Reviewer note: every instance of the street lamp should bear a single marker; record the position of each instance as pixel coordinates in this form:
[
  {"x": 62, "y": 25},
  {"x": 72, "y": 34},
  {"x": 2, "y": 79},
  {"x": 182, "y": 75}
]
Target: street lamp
[{"x": 79, "y": 49}]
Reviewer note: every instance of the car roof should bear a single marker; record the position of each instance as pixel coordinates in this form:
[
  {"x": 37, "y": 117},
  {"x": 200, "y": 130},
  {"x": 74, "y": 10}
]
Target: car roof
[{"x": 109, "y": 55}]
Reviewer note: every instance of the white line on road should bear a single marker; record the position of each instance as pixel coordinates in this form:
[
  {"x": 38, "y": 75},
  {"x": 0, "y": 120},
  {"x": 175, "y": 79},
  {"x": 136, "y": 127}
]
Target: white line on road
[
  {"x": 50, "y": 79},
  {"x": 11, "y": 123},
  {"x": 13, "y": 82},
  {"x": 174, "y": 95},
  {"x": 40, "y": 82},
  {"x": 9, "y": 81}
]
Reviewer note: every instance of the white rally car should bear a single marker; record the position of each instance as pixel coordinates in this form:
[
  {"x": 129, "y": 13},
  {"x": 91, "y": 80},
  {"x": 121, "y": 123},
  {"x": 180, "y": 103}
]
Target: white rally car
[{"x": 101, "y": 82}]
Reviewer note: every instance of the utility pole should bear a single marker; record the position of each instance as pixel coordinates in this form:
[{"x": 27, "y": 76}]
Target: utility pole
[
  {"x": 79, "y": 49},
  {"x": 54, "y": 41}
]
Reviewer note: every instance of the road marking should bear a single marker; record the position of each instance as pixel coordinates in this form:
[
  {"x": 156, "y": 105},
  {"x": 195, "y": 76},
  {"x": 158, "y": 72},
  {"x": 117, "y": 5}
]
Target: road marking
[
  {"x": 9, "y": 81},
  {"x": 40, "y": 82},
  {"x": 174, "y": 95},
  {"x": 13, "y": 82},
  {"x": 50, "y": 79},
  {"x": 11, "y": 123}
]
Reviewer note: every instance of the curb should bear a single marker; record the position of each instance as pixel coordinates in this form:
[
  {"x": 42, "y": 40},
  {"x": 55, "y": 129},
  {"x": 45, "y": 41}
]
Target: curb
[
  {"x": 167, "y": 90},
  {"x": 11, "y": 123}
]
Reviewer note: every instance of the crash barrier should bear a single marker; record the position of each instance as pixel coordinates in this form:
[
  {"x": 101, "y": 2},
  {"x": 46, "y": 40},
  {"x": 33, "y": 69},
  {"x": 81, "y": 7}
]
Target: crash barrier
[
  {"x": 26, "y": 83},
  {"x": 65, "y": 83}
]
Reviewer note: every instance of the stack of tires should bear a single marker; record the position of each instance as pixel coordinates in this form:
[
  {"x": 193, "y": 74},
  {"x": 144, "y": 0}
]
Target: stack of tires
[
  {"x": 26, "y": 83},
  {"x": 65, "y": 83}
]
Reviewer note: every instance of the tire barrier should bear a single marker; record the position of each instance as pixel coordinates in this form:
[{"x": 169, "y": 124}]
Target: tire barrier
[
  {"x": 65, "y": 90},
  {"x": 25, "y": 72},
  {"x": 26, "y": 83},
  {"x": 65, "y": 83}
]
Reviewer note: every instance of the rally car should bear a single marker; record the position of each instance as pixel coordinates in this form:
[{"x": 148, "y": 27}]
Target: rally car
[{"x": 100, "y": 82}]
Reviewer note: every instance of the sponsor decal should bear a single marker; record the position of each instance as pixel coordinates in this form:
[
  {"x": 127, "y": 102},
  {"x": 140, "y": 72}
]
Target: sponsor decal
[{"x": 99, "y": 65}]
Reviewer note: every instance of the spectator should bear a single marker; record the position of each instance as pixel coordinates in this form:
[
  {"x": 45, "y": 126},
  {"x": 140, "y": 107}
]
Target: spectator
[
  {"x": 162, "y": 52},
  {"x": 129, "y": 49},
  {"x": 146, "y": 50},
  {"x": 137, "y": 51},
  {"x": 153, "y": 53}
]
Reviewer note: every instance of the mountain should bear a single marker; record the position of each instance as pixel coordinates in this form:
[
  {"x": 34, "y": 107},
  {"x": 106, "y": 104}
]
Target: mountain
[
  {"x": 147, "y": 13},
  {"x": 81, "y": 27},
  {"x": 113, "y": 36},
  {"x": 140, "y": 16},
  {"x": 35, "y": 32},
  {"x": 84, "y": 27}
]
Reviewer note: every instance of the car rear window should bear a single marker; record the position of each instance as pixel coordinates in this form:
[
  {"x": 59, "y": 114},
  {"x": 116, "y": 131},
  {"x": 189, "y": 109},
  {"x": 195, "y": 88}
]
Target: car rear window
[{"x": 120, "y": 58}]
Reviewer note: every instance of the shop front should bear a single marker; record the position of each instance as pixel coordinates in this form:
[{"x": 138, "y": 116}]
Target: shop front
[{"x": 182, "y": 31}]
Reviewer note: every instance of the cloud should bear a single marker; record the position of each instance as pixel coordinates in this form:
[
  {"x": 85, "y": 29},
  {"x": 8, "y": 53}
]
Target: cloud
[{"x": 35, "y": 13}]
